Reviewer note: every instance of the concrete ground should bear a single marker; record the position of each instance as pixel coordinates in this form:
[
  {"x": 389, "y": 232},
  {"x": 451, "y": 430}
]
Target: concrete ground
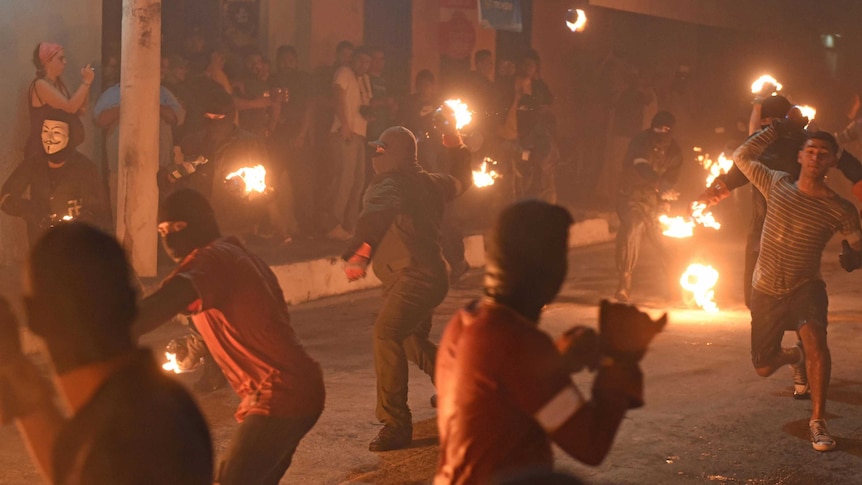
[{"x": 708, "y": 416}]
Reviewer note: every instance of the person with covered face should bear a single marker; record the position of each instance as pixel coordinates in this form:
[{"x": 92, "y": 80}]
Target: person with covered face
[
  {"x": 505, "y": 388},
  {"x": 63, "y": 184},
  {"x": 237, "y": 307},
  {"x": 650, "y": 170},
  {"x": 399, "y": 229},
  {"x": 219, "y": 149},
  {"x": 124, "y": 420},
  {"x": 788, "y": 292}
]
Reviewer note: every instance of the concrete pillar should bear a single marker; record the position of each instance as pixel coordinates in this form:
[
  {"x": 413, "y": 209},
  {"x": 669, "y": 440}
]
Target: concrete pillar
[{"x": 137, "y": 192}]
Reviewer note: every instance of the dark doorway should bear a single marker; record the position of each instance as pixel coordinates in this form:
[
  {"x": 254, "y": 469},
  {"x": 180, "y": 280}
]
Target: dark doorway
[{"x": 513, "y": 45}]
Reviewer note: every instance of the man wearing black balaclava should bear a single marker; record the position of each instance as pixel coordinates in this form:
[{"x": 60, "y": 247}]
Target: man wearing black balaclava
[
  {"x": 225, "y": 148},
  {"x": 64, "y": 184},
  {"x": 650, "y": 171},
  {"x": 399, "y": 228},
  {"x": 505, "y": 389},
  {"x": 237, "y": 307}
]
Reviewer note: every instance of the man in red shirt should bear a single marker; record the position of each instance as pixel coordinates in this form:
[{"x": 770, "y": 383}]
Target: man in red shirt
[
  {"x": 504, "y": 388},
  {"x": 238, "y": 308}
]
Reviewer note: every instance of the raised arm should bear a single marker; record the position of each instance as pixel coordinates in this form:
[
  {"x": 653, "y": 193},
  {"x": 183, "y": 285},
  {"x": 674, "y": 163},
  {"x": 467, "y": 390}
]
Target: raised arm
[
  {"x": 745, "y": 159},
  {"x": 174, "y": 297}
]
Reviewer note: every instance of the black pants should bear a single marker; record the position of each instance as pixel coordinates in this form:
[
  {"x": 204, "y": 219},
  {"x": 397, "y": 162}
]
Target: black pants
[
  {"x": 262, "y": 449},
  {"x": 401, "y": 332}
]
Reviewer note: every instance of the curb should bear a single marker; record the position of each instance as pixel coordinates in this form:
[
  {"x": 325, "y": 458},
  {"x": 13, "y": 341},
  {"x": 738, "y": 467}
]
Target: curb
[{"x": 306, "y": 281}]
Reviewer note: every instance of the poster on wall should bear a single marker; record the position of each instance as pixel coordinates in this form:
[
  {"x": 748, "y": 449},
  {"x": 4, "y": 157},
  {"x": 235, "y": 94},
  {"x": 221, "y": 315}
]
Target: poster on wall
[
  {"x": 240, "y": 23},
  {"x": 457, "y": 34},
  {"x": 500, "y": 15}
]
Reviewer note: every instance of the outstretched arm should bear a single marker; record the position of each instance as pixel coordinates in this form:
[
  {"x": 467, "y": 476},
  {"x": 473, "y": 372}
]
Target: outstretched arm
[{"x": 174, "y": 297}]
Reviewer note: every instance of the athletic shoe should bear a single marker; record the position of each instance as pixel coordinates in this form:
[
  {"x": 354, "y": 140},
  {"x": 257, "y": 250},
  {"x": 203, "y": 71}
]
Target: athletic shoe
[
  {"x": 801, "y": 389},
  {"x": 820, "y": 438}
]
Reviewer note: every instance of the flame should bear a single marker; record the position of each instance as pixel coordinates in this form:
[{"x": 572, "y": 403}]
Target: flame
[
  {"x": 68, "y": 218},
  {"x": 580, "y": 22},
  {"x": 485, "y": 177},
  {"x": 678, "y": 227},
  {"x": 171, "y": 365},
  {"x": 700, "y": 280},
  {"x": 705, "y": 219},
  {"x": 253, "y": 178},
  {"x": 716, "y": 167},
  {"x": 463, "y": 115},
  {"x": 808, "y": 111},
  {"x": 757, "y": 86}
]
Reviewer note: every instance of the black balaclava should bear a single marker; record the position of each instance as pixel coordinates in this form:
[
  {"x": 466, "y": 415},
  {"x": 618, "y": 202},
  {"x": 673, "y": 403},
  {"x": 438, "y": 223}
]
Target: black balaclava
[
  {"x": 527, "y": 256},
  {"x": 219, "y": 117},
  {"x": 191, "y": 207},
  {"x": 774, "y": 107},
  {"x": 75, "y": 137},
  {"x": 395, "y": 151},
  {"x": 662, "y": 124}
]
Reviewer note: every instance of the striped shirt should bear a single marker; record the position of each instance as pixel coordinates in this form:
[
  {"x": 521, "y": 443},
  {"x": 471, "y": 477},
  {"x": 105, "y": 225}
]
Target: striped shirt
[{"x": 797, "y": 225}]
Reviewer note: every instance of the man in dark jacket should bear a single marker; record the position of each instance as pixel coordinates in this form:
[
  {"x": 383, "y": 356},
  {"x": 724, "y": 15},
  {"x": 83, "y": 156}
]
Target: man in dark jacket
[
  {"x": 399, "y": 228},
  {"x": 64, "y": 184},
  {"x": 650, "y": 171}
]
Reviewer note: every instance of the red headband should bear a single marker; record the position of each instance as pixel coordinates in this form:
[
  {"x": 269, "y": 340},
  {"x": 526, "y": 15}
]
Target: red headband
[{"x": 47, "y": 50}]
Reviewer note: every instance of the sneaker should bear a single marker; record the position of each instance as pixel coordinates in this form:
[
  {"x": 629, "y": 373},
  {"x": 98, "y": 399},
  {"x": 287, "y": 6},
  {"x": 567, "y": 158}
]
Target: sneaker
[
  {"x": 820, "y": 438},
  {"x": 392, "y": 437},
  {"x": 801, "y": 389}
]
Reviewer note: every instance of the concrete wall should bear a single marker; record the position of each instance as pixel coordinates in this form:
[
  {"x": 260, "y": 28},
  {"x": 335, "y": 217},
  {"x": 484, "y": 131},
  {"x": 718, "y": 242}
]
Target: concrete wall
[
  {"x": 24, "y": 23},
  {"x": 331, "y": 22}
]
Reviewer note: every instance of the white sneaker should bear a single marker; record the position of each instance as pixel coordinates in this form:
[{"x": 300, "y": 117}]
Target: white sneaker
[{"x": 820, "y": 438}]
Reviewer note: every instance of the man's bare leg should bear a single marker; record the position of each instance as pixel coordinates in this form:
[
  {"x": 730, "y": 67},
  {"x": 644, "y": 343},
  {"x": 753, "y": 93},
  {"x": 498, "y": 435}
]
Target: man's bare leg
[
  {"x": 787, "y": 356},
  {"x": 818, "y": 364}
]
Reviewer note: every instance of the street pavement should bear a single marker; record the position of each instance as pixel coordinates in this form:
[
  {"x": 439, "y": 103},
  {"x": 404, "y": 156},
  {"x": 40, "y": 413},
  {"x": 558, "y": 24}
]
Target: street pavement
[{"x": 708, "y": 417}]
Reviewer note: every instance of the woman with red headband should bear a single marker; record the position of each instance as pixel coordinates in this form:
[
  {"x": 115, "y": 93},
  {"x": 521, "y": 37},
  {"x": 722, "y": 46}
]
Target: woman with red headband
[{"x": 48, "y": 91}]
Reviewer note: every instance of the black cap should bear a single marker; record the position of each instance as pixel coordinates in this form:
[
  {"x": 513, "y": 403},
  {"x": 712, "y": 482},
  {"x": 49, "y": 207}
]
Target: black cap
[
  {"x": 774, "y": 107},
  {"x": 663, "y": 118}
]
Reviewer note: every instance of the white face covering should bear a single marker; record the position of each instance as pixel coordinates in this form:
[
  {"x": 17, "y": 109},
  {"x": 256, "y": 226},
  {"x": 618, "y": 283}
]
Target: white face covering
[{"x": 55, "y": 136}]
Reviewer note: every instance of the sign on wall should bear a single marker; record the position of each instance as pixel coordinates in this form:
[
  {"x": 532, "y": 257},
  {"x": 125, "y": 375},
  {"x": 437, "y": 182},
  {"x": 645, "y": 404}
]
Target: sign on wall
[{"x": 500, "y": 15}]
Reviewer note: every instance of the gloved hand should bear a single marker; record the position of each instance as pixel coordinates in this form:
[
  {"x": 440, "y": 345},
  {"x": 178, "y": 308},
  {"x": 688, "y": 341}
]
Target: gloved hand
[
  {"x": 357, "y": 265},
  {"x": 716, "y": 192},
  {"x": 849, "y": 258},
  {"x": 579, "y": 346},
  {"x": 625, "y": 332},
  {"x": 789, "y": 126}
]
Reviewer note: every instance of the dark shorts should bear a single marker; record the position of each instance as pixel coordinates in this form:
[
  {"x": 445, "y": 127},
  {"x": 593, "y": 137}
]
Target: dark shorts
[{"x": 772, "y": 316}]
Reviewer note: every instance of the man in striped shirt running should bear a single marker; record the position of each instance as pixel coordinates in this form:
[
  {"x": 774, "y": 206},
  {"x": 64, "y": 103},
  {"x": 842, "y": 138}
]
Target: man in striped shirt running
[{"x": 788, "y": 289}]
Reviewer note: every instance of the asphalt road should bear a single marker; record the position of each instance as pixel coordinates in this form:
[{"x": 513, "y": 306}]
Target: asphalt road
[{"x": 708, "y": 416}]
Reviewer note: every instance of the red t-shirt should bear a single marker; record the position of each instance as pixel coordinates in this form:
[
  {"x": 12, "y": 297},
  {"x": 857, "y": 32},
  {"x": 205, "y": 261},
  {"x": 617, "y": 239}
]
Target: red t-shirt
[
  {"x": 496, "y": 373},
  {"x": 242, "y": 316}
]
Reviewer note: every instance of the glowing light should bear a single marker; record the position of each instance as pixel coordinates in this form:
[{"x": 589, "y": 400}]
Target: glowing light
[
  {"x": 576, "y": 20},
  {"x": 705, "y": 219},
  {"x": 68, "y": 218},
  {"x": 485, "y": 176},
  {"x": 808, "y": 111},
  {"x": 700, "y": 281},
  {"x": 463, "y": 115},
  {"x": 757, "y": 86},
  {"x": 253, "y": 178},
  {"x": 716, "y": 167},
  {"x": 171, "y": 365},
  {"x": 678, "y": 227}
]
